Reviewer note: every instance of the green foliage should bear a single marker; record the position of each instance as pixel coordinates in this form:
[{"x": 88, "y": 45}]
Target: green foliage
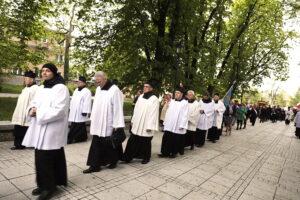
[
  {"x": 22, "y": 21},
  {"x": 295, "y": 99},
  {"x": 7, "y": 107},
  {"x": 128, "y": 109},
  {"x": 203, "y": 45}
]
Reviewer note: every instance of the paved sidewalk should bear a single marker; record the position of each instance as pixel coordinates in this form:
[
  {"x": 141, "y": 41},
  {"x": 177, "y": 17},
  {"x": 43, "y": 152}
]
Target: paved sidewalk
[{"x": 259, "y": 163}]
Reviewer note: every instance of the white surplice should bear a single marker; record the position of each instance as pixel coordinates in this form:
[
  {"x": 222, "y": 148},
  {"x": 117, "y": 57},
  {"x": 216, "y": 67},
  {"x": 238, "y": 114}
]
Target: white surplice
[
  {"x": 193, "y": 115},
  {"x": 145, "y": 116},
  {"x": 26, "y": 96},
  {"x": 107, "y": 111},
  {"x": 177, "y": 117},
  {"x": 218, "y": 115},
  {"x": 80, "y": 103},
  {"x": 206, "y": 119},
  {"x": 48, "y": 129}
]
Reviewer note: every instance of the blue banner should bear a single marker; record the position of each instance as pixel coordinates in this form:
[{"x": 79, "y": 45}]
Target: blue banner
[{"x": 227, "y": 97}]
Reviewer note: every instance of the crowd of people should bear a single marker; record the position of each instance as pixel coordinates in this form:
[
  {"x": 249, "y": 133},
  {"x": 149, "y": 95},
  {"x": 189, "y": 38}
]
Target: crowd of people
[{"x": 43, "y": 113}]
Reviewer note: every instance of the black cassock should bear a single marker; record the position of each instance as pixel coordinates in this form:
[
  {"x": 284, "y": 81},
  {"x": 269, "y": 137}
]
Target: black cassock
[
  {"x": 102, "y": 152},
  {"x": 19, "y": 133},
  {"x": 297, "y": 132},
  {"x": 51, "y": 168},
  {"x": 77, "y": 132},
  {"x": 172, "y": 144},
  {"x": 213, "y": 133},
  {"x": 200, "y": 137},
  {"x": 190, "y": 138},
  {"x": 138, "y": 147}
]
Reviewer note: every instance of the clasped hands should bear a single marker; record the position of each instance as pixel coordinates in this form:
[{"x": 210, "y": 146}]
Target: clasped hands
[{"x": 32, "y": 112}]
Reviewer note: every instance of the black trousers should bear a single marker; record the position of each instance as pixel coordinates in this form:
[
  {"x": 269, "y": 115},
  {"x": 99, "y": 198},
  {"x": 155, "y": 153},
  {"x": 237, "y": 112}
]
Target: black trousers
[
  {"x": 138, "y": 147},
  {"x": 103, "y": 153},
  {"x": 190, "y": 138},
  {"x": 287, "y": 122},
  {"x": 51, "y": 168},
  {"x": 253, "y": 120},
  {"x": 19, "y": 133},
  {"x": 200, "y": 137},
  {"x": 297, "y": 132},
  {"x": 77, "y": 132},
  {"x": 213, "y": 133},
  {"x": 172, "y": 144}
]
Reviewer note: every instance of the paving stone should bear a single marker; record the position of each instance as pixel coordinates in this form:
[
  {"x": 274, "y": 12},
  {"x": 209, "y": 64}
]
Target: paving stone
[
  {"x": 24, "y": 182},
  {"x": 13, "y": 172},
  {"x": 135, "y": 188},
  {"x": 15, "y": 196},
  {"x": 2, "y": 178},
  {"x": 191, "y": 179},
  {"x": 197, "y": 196},
  {"x": 259, "y": 193},
  {"x": 113, "y": 194},
  {"x": 151, "y": 180},
  {"x": 173, "y": 189},
  {"x": 215, "y": 188},
  {"x": 85, "y": 181},
  {"x": 6, "y": 188},
  {"x": 261, "y": 162},
  {"x": 170, "y": 171},
  {"x": 155, "y": 195}
]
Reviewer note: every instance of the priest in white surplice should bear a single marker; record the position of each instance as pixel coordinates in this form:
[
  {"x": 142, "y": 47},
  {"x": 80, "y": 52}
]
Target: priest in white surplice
[
  {"x": 48, "y": 132},
  {"x": 19, "y": 116},
  {"x": 215, "y": 131},
  {"x": 207, "y": 109},
  {"x": 80, "y": 107},
  {"x": 144, "y": 124},
  {"x": 106, "y": 117},
  {"x": 193, "y": 119},
  {"x": 175, "y": 126}
]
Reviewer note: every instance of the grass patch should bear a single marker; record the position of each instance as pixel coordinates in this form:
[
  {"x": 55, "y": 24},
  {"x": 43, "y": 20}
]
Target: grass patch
[
  {"x": 8, "y": 104},
  {"x": 7, "y": 107},
  {"x": 15, "y": 89}
]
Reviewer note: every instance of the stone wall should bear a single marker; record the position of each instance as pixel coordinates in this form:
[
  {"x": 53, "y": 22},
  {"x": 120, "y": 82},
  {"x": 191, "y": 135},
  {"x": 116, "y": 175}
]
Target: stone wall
[{"x": 12, "y": 80}]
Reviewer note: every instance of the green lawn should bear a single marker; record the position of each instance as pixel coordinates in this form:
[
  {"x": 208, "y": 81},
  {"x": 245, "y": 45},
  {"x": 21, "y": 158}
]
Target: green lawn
[
  {"x": 7, "y": 106},
  {"x": 15, "y": 89}
]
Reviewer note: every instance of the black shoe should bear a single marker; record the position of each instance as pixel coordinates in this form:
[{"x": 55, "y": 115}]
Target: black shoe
[
  {"x": 213, "y": 141},
  {"x": 192, "y": 148},
  {"x": 198, "y": 145},
  {"x": 172, "y": 156},
  {"x": 91, "y": 170},
  {"x": 46, "y": 194},
  {"x": 162, "y": 156},
  {"x": 17, "y": 148},
  {"x": 112, "y": 166},
  {"x": 37, "y": 191},
  {"x": 144, "y": 161},
  {"x": 181, "y": 153}
]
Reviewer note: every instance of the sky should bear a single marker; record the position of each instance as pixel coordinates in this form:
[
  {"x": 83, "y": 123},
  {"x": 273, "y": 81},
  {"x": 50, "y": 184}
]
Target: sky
[{"x": 291, "y": 85}]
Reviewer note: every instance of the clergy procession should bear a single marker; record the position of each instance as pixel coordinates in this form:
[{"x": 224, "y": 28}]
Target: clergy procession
[{"x": 47, "y": 119}]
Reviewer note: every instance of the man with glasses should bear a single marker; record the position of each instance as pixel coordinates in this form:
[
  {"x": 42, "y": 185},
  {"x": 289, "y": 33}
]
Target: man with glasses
[{"x": 144, "y": 124}]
